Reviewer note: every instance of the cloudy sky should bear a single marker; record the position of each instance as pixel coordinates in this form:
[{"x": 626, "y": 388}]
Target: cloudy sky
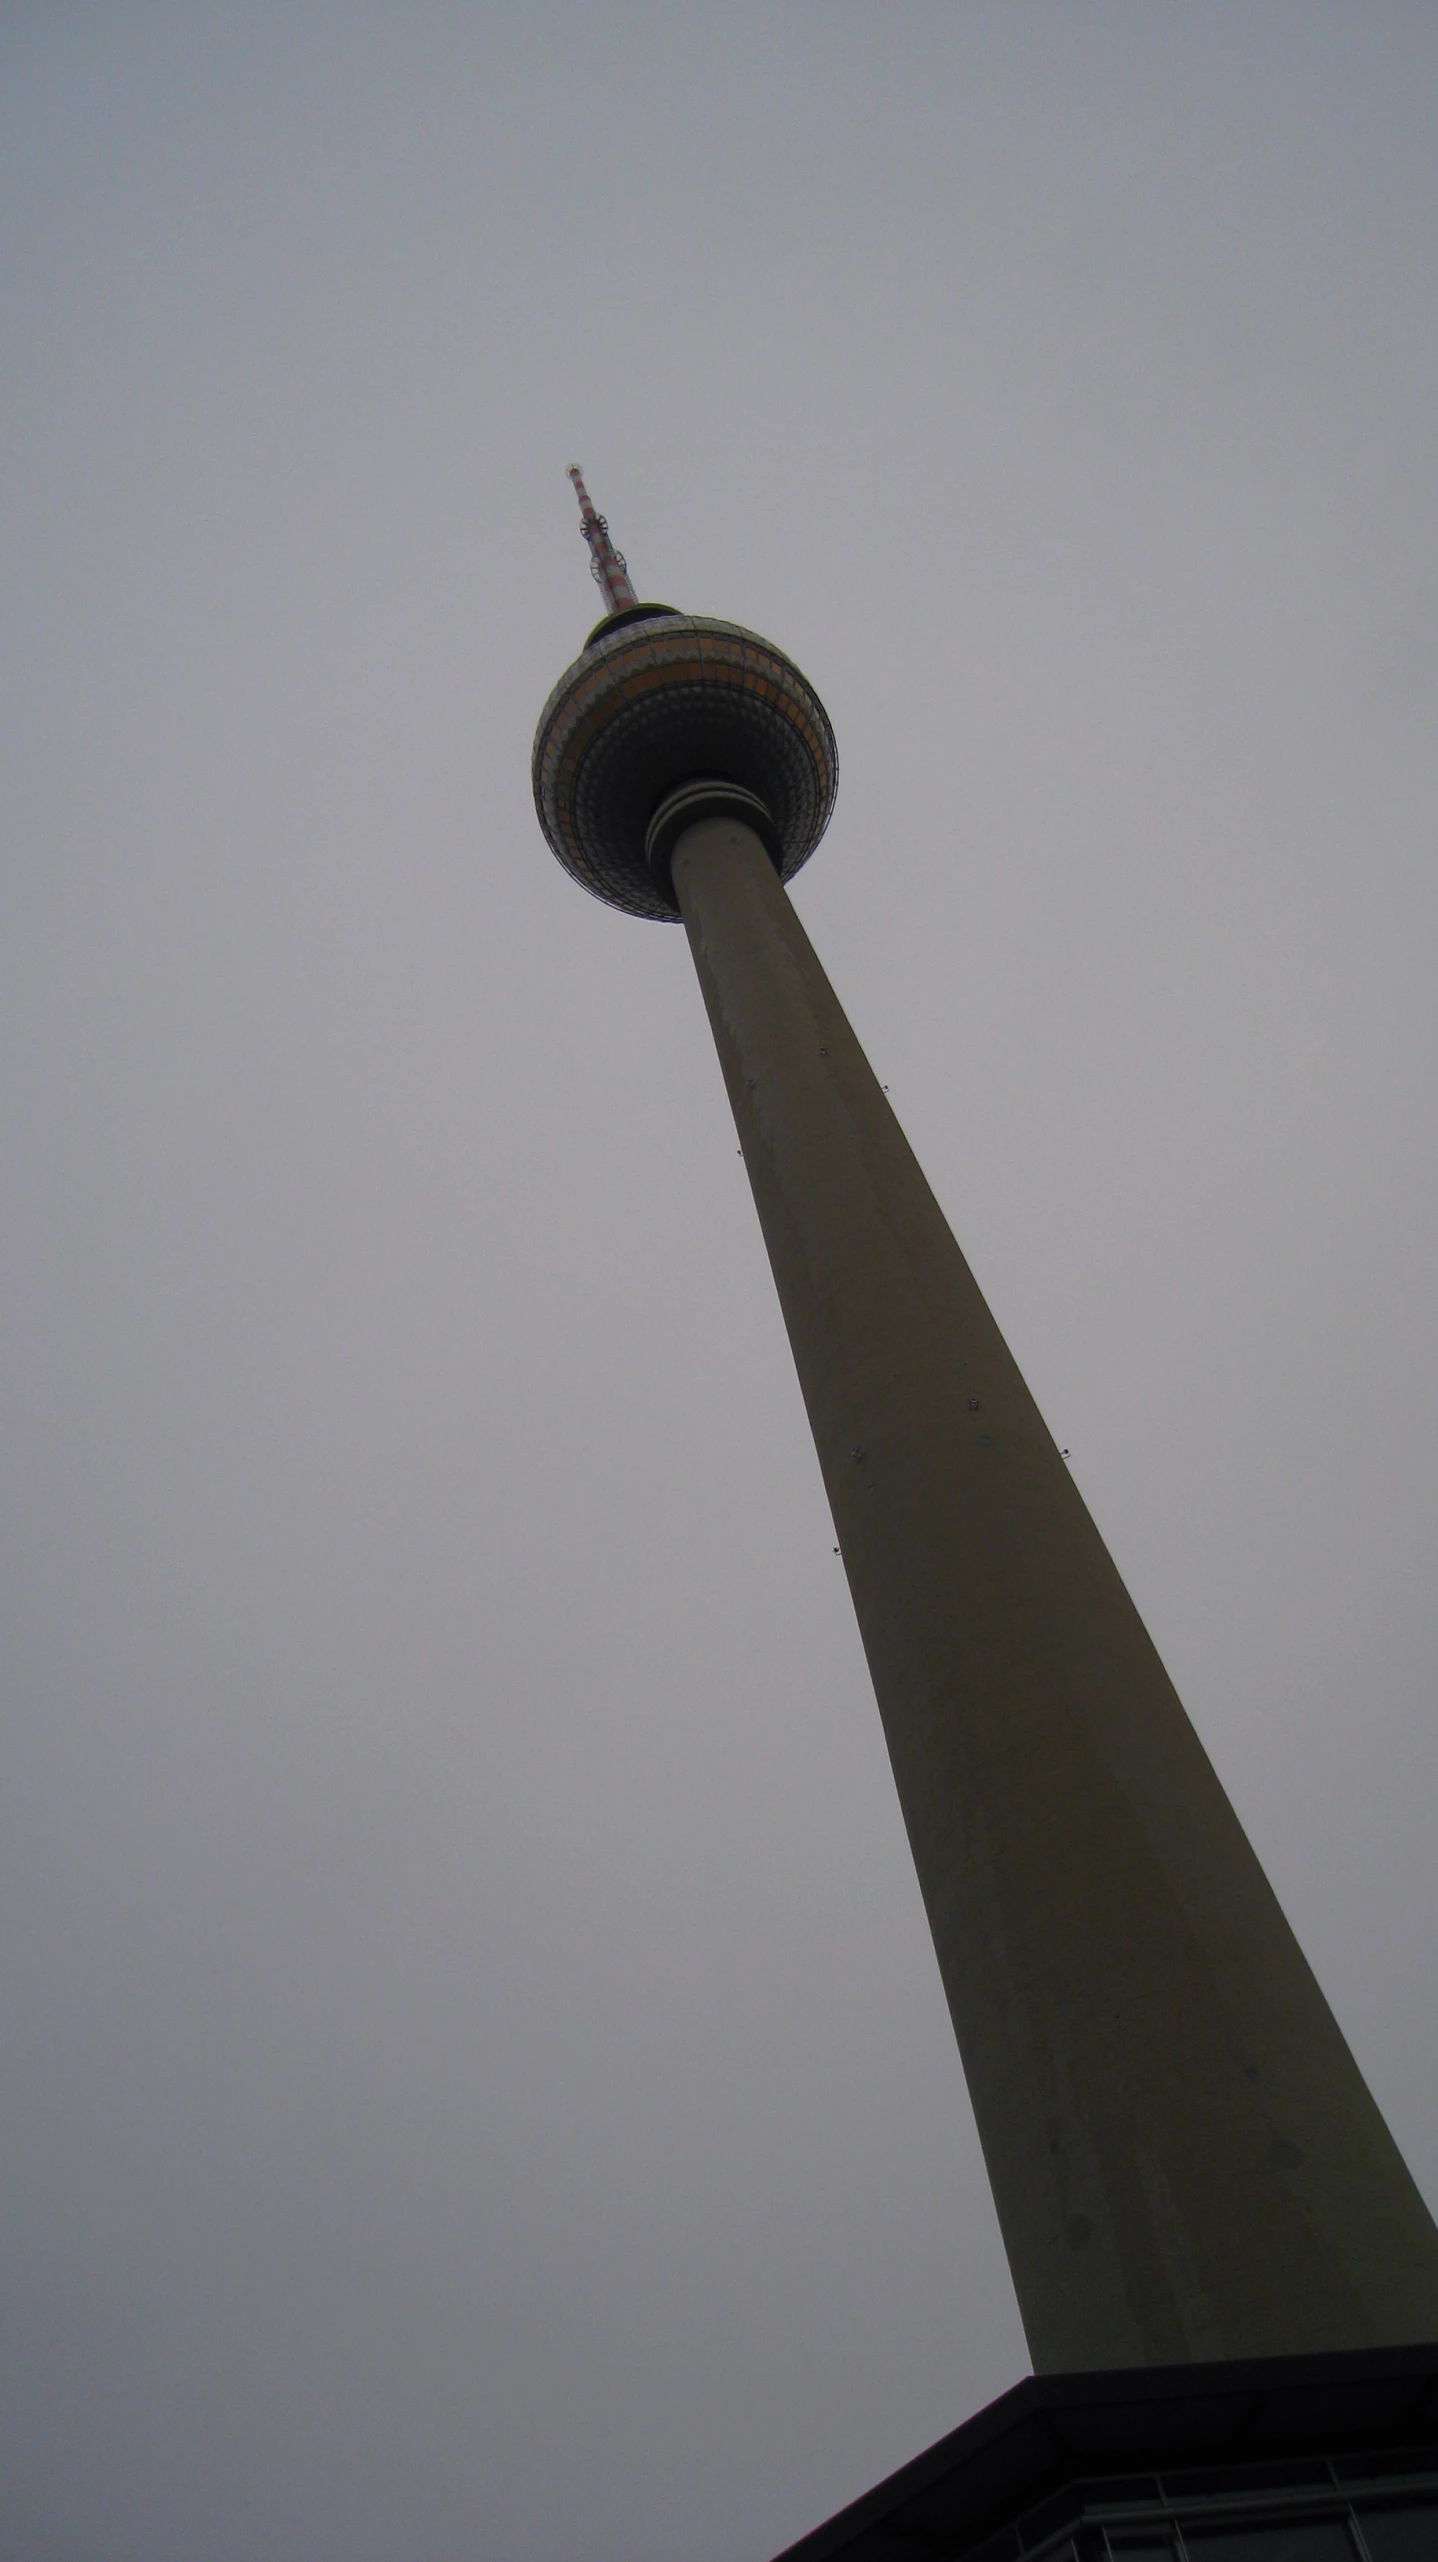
[{"x": 476, "y": 2080}]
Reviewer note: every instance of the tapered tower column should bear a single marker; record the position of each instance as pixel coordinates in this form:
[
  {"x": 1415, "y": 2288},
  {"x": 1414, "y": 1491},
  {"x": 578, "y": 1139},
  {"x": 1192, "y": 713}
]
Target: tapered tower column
[{"x": 1186, "y": 2161}]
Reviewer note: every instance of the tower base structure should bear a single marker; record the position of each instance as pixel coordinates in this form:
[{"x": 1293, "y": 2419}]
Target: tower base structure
[{"x": 1296, "y": 2459}]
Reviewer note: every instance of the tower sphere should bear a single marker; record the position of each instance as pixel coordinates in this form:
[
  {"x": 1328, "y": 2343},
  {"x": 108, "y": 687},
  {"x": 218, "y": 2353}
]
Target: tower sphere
[{"x": 658, "y": 700}]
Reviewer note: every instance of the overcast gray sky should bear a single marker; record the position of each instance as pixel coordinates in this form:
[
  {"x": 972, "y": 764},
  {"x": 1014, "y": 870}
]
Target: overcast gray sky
[{"x": 476, "y": 2078}]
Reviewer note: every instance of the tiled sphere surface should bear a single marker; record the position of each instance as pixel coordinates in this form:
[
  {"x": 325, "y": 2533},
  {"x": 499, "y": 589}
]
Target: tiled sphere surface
[{"x": 664, "y": 701}]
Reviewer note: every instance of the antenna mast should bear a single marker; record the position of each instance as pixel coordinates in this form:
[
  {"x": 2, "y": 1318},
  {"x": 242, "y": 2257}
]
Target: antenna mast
[{"x": 607, "y": 566}]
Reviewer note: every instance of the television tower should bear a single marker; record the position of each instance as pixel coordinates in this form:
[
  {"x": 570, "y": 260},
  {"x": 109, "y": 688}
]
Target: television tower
[{"x": 1186, "y": 2161}]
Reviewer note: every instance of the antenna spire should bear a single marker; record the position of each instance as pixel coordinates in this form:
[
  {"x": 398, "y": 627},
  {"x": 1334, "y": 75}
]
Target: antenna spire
[{"x": 607, "y": 566}]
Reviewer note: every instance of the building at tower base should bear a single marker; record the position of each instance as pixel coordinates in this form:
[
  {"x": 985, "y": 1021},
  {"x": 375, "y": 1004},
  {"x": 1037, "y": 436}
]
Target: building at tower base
[{"x": 1303, "y": 2459}]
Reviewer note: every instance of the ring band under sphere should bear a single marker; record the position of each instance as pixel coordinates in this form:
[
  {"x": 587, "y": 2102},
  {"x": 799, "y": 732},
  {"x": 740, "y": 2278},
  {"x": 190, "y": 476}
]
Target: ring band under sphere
[{"x": 664, "y": 700}]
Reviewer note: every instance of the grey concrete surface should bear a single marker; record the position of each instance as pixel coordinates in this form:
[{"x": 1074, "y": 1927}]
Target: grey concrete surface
[{"x": 1186, "y": 2160}]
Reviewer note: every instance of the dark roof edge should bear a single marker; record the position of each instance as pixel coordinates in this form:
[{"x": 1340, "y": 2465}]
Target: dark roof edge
[{"x": 1145, "y": 2392}]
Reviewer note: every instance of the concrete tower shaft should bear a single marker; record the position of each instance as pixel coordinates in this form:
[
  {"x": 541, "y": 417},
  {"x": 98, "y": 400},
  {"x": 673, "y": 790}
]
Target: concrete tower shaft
[
  {"x": 1185, "y": 2158},
  {"x": 1186, "y": 2161}
]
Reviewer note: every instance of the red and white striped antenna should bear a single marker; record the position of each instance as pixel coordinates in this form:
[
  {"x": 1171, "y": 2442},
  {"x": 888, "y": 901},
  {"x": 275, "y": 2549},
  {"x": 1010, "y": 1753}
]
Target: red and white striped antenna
[{"x": 607, "y": 565}]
